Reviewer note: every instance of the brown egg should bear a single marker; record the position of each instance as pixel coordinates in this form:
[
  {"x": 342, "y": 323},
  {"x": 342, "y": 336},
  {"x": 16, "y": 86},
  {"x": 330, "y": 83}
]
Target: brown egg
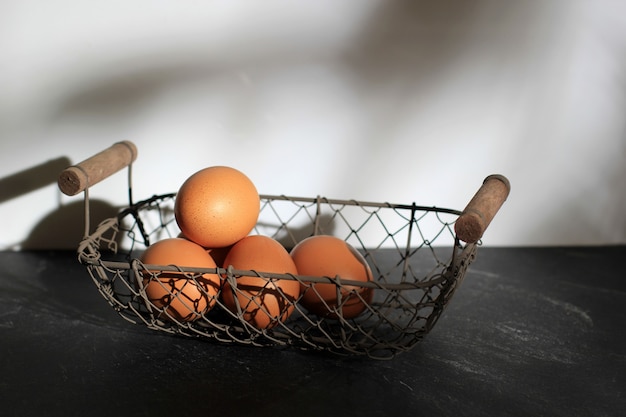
[
  {"x": 330, "y": 256},
  {"x": 217, "y": 206},
  {"x": 263, "y": 302},
  {"x": 181, "y": 298}
]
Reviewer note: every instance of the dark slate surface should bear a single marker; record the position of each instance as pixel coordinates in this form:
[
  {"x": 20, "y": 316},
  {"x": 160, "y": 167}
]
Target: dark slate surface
[{"x": 531, "y": 331}]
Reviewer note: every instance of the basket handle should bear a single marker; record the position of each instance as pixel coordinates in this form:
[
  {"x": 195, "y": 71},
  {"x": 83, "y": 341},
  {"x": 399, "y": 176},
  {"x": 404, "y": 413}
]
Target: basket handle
[
  {"x": 482, "y": 208},
  {"x": 91, "y": 171}
]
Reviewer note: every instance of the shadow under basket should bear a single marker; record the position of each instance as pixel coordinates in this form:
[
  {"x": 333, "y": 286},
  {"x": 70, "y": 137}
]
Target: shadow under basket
[{"x": 415, "y": 257}]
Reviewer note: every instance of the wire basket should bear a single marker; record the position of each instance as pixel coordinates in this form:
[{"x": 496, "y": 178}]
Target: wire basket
[{"x": 418, "y": 256}]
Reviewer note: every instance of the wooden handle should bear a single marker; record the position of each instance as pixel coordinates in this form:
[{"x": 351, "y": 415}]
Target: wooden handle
[
  {"x": 91, "y": 171},
  {"x": 482, "y": 208}
]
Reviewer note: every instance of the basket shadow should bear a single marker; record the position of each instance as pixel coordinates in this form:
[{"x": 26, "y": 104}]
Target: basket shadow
[
  {"x": 31, "y": 179},
  {"x": 290, "y": 237},
  {"x": 63, "y": 228}
]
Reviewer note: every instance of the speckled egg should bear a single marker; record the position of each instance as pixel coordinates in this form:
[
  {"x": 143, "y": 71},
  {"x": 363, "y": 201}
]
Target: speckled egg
[{"x": 217, "y": 206}]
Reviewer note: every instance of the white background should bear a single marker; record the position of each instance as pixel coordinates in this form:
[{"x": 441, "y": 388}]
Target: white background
[{"x": 396, "y": 101}]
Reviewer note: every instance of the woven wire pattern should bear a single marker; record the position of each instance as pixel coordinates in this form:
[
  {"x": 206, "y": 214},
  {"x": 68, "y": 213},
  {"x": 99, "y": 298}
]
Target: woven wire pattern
[{"x": 412, "y": 250}]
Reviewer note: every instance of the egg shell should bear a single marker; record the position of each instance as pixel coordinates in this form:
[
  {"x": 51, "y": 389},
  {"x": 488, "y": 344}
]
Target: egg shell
[
  {"x": 181, "y": 298},
  {"x": 217, "y": 206},
  {"x": 263, "y": 302},
  {"x": 329, "y": 256}
]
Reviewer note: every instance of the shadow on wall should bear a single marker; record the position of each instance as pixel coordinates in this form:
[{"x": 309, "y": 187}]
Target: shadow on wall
[
  {"x": 404, "y": 55},
  {"x": 408, "y": 45},
  {"x": 410, "y": 52},
  {"x": 289, "y": 235},
  {"x": 32, "y": 179},
  {"x": 63, "y": 228}
]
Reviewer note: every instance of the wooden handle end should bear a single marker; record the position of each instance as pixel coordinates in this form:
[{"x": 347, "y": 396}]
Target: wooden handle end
[
  {"x": 482, "y": 208},
  {"x": 77, "y": 178}
]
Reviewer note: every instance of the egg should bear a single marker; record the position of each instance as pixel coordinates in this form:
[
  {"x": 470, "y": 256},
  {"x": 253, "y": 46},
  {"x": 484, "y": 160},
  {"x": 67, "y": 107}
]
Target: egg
[
  {"x": 329, "y": 256},
  {"x": 263, "y": 302},
  {"x": 180, "y": 297},
  {"x": 217, "y": 206}
]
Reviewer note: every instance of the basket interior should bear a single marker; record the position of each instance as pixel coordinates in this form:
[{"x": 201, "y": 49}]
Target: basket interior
[{"x": 412, "y": 251}]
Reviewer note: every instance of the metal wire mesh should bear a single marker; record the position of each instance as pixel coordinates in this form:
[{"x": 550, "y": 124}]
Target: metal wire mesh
[{"x": 415, "y": 257}]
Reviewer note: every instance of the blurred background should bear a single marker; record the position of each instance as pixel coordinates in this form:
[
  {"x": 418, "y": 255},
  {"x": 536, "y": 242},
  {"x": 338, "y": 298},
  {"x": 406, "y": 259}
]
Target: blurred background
[{"x": 399, "y": 101}]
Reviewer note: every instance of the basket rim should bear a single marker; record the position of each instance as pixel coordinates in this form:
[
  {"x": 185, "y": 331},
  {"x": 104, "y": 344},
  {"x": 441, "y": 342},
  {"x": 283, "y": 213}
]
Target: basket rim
[
  {"x": 363, "y": 203},
  {"x": 90, "y": 254}
]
